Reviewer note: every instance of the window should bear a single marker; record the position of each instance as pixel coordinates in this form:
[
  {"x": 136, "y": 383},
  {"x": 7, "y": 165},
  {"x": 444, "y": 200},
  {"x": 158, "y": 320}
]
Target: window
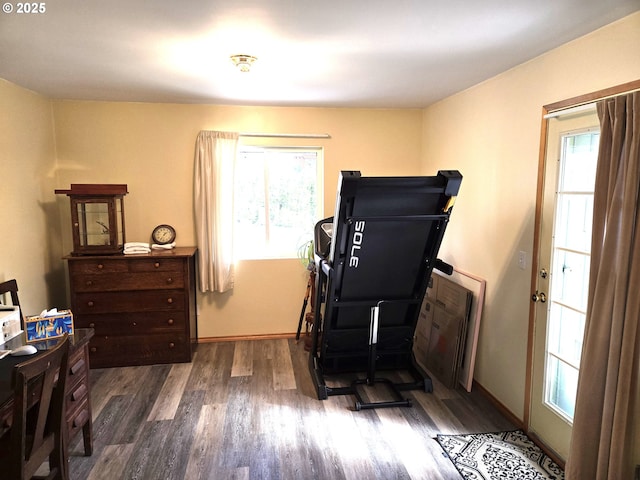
[
  {"x": 571, "y": 252},
  {"x": 278, "y": 200}
]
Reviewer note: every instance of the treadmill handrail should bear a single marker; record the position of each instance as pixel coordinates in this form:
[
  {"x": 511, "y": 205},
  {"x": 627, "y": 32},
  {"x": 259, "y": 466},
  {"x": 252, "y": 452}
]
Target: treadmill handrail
[
  {"x": 399, "y": 218},
  {"x": 364, "y": 303}
]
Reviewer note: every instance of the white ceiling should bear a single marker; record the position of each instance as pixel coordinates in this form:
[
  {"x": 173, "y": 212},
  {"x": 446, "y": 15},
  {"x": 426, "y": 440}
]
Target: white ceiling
[{"x": 339, "y": 53}]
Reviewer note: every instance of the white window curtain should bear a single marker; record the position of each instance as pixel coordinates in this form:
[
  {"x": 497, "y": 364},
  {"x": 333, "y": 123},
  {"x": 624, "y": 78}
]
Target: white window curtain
[{"x": 215, "y": 158}]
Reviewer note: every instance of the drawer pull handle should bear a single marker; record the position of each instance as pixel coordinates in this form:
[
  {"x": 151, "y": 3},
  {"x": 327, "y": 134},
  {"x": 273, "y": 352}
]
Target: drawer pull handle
[
  {"x": 169, "y": 300},
  {"x": 93, "y": 349},
  {"x": 92, "y": 325},
  {"x": 169, "y": 280},
  {"x": 170, "y": 321},
  {"x": 88, "y": 283},
  {"x": 77, "y": 367},
  {"x": 90, "y": 303},
  {"x": 172, "y": 345},
  {"x": 157, "y": 264},
  {"x": 81, "y": 419},
  {"x": 134, "y": 324},
  {"x": 79, "y": 393},
  {"x": 100, "y": 266}
]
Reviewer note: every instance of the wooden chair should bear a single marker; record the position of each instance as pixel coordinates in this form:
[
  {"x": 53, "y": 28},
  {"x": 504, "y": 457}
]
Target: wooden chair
[
  {"x": 11, "y": 287},
  {"x": 38, "y": 429}
]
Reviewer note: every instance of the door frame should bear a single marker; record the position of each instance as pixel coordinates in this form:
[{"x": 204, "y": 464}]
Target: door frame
[{"x": 547, "y": 109}]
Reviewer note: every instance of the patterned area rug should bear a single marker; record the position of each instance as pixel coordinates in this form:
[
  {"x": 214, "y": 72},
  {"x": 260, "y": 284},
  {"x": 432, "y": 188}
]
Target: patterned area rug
[{"x": 503, "y": 456}]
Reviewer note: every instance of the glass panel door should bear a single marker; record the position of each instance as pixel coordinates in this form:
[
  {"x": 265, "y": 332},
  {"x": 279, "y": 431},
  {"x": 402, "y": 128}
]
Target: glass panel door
[
  {"x": 571, "y": 246},
  {"x": 93, "y": 223},
  {"x": 561, "y": 291}
]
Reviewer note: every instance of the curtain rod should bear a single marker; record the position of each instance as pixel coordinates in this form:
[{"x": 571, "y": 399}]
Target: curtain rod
[
  {"x": 285, "y": 135},
  {"x": 587, "y": 105},
  {"x": 566, "y": 111}
]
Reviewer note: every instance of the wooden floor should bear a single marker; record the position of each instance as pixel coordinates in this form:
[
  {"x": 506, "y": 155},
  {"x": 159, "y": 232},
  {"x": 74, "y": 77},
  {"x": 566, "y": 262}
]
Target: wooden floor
[{"x": 248, "y": 410}]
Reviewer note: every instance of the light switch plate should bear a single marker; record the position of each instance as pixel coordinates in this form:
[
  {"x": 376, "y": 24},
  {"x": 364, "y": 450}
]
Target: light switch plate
[{"x": 522, "y": 260}]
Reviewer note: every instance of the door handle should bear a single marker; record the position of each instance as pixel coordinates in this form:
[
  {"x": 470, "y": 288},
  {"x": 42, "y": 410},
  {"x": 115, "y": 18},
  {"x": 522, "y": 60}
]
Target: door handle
[{"x": 539, "y": 297}]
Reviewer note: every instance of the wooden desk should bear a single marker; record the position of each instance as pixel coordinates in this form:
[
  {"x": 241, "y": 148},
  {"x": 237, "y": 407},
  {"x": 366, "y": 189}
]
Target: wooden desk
[{"x": 78, "y": 398}]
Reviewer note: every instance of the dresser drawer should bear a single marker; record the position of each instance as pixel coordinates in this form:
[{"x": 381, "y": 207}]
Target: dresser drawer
[
  {"x": 116, "y": 351},
  {"x": 75, "y": 398},
  {"x": 114, "y": 265},
  {"x": 155, "y": 264},
  {"x": 133, "y": 323},
  {"x": 78, "y": 417},
  {"x": 97, "y": 266},
  {"x": 126, "y": 281},
  {"x": 78, "y": 371},
  {"x": 120, "y": 302}
]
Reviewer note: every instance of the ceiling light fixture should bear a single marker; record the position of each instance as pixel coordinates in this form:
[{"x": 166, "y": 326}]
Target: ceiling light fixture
[{"x": 243, "y": 62}]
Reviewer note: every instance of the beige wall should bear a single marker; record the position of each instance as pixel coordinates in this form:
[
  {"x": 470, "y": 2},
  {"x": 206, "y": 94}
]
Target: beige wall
[
  {"x": 30, "y": 237},
  {"x": 150, "y": 148},
  {"x": 491, "y": 133}
]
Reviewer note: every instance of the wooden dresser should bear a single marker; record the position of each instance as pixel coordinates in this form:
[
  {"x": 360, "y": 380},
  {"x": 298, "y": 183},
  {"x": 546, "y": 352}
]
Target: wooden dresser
[{"x": 142, "y": 307}]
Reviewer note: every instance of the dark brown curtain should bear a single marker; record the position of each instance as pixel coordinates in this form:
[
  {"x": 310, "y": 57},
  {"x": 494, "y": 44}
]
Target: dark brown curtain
[{"x": 602, "y": 444}]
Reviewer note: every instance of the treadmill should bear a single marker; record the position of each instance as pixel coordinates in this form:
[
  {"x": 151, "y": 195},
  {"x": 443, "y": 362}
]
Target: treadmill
[{"x": 374, "y": 259}]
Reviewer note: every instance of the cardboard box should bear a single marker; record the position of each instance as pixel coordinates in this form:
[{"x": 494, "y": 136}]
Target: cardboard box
[
  {"x": 441, "y": 329},
  {"x": 42, "y": 328},
  {"x": 444, "y": 346}
]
